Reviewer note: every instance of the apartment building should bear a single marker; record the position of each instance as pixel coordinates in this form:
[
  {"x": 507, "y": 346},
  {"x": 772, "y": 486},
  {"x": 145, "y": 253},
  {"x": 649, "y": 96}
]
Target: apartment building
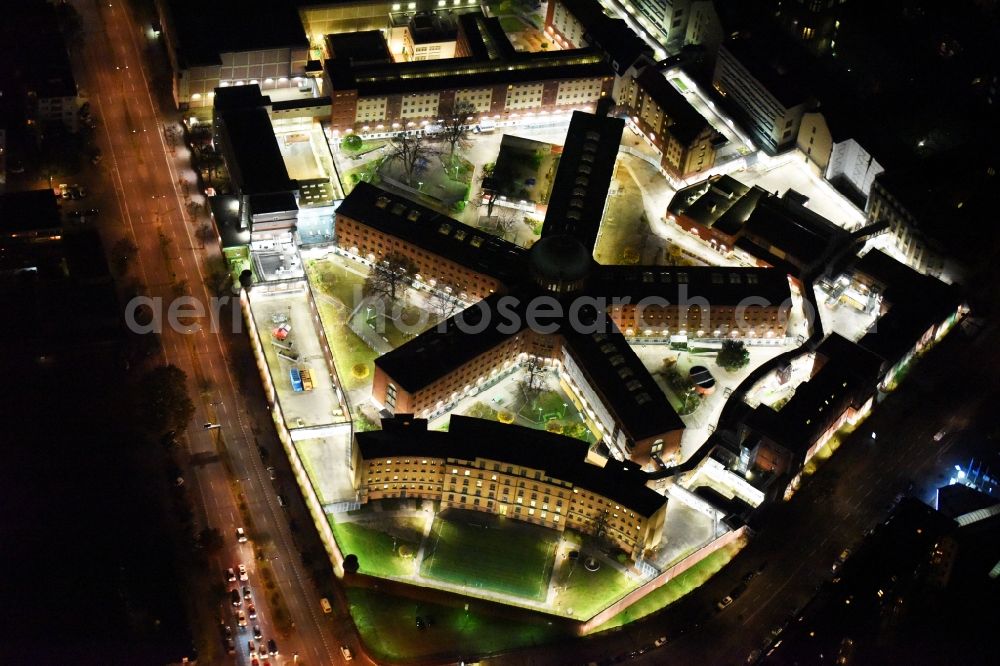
[
  {"x": 665, "y": 20},
  {"x": 263, "y": 44},
  {"x": 685, "y": 140},
  {"x": 510, "y": 471},
  {"x": 504, "y": 84},
  {"x": 813, "y": 23},
  {"x": 764, "y": 87},
  {"x": 583, "y": 23}
]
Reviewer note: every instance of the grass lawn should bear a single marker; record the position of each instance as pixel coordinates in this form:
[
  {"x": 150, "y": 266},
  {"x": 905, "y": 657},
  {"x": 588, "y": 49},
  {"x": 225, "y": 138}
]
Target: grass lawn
[
  {"x": 589, "y": 592},
  {"x": 511, "y": 24},
  {"x": 388, "y": 628},
  {"x": 510, "y": 557},
  {"x": 374, "y": 549},
  {"x": 348, "y": 349},
  {"x": 674, "y": 589}
]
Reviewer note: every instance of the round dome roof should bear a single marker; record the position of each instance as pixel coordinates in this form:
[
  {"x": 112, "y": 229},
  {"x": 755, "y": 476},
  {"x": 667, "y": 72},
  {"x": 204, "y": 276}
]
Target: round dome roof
[{"x": 560, "y": 260}]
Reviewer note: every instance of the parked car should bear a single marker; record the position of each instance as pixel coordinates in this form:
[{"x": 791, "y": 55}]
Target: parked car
[
  {"x": 272, "y": 647},
  {"x": 230, "y": 575},
  {"x": 243, "y": 572},
  {"x": 246, "y": 593},
  {"x": 252, "y": 611},
  {"x": 241, "y": 619},
  {"x": 256, "y": 632},
  {"x": 660, "y": 641},
  {"x": 344, "y": 650},
  {"x": 234, "y": 596},
  {"x": 724, "y": 602},
  {"x": 241, "y": 535}
]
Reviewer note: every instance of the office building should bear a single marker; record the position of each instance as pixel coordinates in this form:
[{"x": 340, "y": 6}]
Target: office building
[
  {"x": 268, "y": 198},
  {"x": 763, "y": 85},
  {"x": 231, "y": 43}
]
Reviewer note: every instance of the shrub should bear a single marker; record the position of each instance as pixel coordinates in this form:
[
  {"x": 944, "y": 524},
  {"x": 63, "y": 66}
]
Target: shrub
[
  {"x": 360, "y": 370},
  {"x": 352, "y": 142},
  {"x": 505, "y": 417}
]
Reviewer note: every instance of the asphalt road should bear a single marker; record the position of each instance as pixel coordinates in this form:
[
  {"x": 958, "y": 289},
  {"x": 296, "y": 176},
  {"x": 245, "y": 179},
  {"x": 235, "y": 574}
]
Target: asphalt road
[
  {"x": 137, "y": 188},
  {"x": 797, "y": 541}
]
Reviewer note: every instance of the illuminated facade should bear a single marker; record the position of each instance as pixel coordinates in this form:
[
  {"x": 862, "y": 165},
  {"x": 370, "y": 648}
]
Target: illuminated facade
[{"x": 510, "y": 471}]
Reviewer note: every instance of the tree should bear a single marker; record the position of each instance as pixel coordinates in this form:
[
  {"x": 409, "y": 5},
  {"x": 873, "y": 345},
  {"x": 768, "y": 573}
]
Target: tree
[
  {"x": 351, "y": 564},
  {"x": 246, "y": 278},
  {"x": 352, "y": 142},
  {"x": 534, "y": 372},
  {"x": 500, "y": 224},
  {"x": 412, "y": 150},
  {"x": 164, "y": 403},
  {"x": 733, "y": 355},
  {"x": 488, "y": 186},
  {"x": 455, "y": 130},
  {"x": 442, "y": 302},
  {"x": 390, "y": 276}
]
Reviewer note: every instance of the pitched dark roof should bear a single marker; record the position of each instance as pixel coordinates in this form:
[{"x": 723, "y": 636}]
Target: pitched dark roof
[
  {"x": 721, "y": 202},
  {"x": 685, "y": 121},
  {"x": 580, "y": 188},
  {"x": 485, "y": 37},
  {"x": 617, "y": 374},
  {"x": 726, "y": 286},
  {"x": 560, "y": 457},
  {"x": 440, "y": 350},
  {"x": 799, "y": 232},
  {"x": 435, "y": 232},
  {"x": 611, "y": 34}
]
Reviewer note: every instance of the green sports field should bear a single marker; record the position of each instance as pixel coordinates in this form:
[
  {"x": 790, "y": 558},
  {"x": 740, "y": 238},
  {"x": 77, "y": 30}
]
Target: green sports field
[{"x": 478, "y": 550}]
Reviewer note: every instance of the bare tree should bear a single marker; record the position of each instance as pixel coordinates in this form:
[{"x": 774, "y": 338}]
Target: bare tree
[
  {"x": 490, "y": 188},
  {"x": 534, "y": 372},
  {"x": 443, "y": 303},
  {"x": 503, "y": 222},
  {"x": 411, "y": 150},
  {"x": 390, "y": 276},
  {"x": 455, "y": 129}
]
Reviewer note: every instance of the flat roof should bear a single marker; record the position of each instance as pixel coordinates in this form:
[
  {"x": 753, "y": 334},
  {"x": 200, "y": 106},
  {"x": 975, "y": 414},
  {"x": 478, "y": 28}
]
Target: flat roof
[
  {"x": 768, "y": 57},
  {"x": 451, "y": 73},
  {"x": 433, "y": 231},
  {"x": 260, "y": 168},
  {"x": 204, "y": 30},
  {"x": 34, "y": 210},
  {"x": 559, "y": 457},
  {"x": 485, "y": 37},
  {"x": 365, "y": 46},
  {"x": 580, "y": 188}
]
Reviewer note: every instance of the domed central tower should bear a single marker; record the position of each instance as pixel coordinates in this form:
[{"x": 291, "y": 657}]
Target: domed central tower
[{"x": 560, "y": 264}]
